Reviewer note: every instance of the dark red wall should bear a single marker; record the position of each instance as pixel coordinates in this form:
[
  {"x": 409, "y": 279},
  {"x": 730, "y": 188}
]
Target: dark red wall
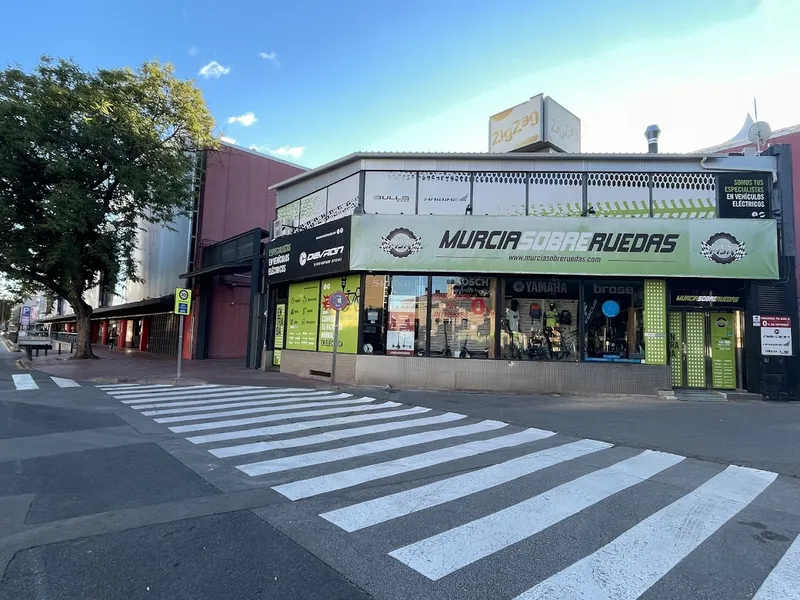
[{"x": 236, "y": 198}]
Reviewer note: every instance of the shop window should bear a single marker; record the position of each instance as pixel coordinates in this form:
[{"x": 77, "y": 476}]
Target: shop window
[
  {"x": 348, "y": 317},
  {"x": 462, "y": 317},
  {"x": 540, "y": 319},
  {"x": 395, "y": 313},
  {"x": 613, "y": 316}
]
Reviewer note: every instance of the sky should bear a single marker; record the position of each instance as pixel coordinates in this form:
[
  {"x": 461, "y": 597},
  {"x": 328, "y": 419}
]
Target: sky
[{"x": 310, "y": 81}]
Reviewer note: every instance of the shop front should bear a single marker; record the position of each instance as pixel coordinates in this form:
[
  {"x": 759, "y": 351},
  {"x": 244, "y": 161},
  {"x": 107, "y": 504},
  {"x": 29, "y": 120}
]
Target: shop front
[{"x": 523, "y": 303}]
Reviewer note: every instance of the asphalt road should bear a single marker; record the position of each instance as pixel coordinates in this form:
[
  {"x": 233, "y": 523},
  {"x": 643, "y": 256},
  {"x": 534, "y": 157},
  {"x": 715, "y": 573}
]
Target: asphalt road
[{"x": 228, "y": 492}]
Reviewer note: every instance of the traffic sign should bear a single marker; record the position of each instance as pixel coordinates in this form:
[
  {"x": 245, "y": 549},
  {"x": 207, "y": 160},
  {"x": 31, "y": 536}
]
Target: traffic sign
[
  {"x": 338, "y": 301},
  {"x": 183, "y": 301}
]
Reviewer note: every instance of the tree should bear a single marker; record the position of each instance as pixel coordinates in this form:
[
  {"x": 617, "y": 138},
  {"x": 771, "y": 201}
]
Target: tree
[{"x": 85, "y": 160}]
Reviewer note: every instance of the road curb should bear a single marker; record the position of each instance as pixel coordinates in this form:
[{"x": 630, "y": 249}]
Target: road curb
[
  {"x": 9, "y": 346},
  {"x": 23, "y": 363}
]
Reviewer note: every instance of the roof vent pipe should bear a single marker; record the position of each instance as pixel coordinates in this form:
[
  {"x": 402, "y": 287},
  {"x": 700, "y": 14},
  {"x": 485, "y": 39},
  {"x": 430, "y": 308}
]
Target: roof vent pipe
[{"x": 652, "y": 133}]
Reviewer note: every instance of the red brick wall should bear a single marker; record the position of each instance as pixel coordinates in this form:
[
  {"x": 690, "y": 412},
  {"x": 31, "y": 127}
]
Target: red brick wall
[{"x": 236, "y": 199}]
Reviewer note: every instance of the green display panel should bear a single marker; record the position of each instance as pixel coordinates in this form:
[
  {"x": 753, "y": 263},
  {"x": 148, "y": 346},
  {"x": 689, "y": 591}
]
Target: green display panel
[
  {"x": 695, "y": 350},
  {"x": 301, "y": 330},
  {"x": 655, "y": 322},
  {"x": 658, "y": 248},
  {"x": 348, "y": 318},
  {"x": 676, "y": 348},
  {"x": 280, "y": 325},
  {"x": 723, "y": 351}
]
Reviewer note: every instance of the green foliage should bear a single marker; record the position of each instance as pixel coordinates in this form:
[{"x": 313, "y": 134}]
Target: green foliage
[{"x": 85, "y": 159}]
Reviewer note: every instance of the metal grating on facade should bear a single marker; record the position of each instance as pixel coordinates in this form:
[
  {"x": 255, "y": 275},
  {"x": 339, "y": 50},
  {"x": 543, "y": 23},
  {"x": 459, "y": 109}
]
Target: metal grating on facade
[{"x": 163, "y": 334}]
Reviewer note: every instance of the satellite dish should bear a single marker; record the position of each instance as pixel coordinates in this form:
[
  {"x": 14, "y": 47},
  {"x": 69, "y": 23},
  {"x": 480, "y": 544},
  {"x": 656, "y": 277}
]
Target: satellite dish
[{"x": 759, "y": 133}]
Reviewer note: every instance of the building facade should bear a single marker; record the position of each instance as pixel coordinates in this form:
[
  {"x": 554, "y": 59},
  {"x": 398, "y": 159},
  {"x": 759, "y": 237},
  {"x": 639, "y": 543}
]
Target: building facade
[
  {"x": 539, "y": 272},
  {"x": 231, "y": 196}
]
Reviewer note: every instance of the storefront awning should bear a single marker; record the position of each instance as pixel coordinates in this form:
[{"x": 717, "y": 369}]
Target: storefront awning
[
  {"x": 143, "y": 307},
  {"x": 220, "y": 269}
]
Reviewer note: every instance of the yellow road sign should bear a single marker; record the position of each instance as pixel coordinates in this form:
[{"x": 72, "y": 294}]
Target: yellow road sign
[{"x": 183, "y": 301}]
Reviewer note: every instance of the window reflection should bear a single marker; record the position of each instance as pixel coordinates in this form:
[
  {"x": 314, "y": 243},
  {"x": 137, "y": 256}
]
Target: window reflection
[
  {"x": 540, "y": 319},
  {"x": 395, "y": 313},
  {"x": 613, "y": 314},
  {"x": 462, "y": 317}
]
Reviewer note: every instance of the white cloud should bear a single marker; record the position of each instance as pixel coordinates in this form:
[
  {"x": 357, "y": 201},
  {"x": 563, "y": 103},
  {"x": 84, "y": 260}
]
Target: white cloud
[
  {"x": 228, "y": 140},
  {"x": 193, "y": 50},
  {"x": 245, "y": 120},
  {"x": 293, "y": 151},
  {"x": 214, "y": 70},
  {"x": 272, "y": 56},
  {"x": 283, "y": 151}
]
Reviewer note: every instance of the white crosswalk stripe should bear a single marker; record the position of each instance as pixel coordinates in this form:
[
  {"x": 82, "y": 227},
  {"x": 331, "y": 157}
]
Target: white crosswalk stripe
[
  {"x": 65, "y": 383},
  {"x": 784, "y": 580},
  {"x": 27, "y": 381},
  {"x": 341, "y": 480},
  {"x": 330, "y": 401},
  {"x": 213, "y": 418},
  {"x": 280, "y": 417},
  {"x": 404, "y": 503},
  {"x": 303, "y": 425},
  {"x": 24, "y": 382},
  {"x": 325, "y": 456},
  {"x": 323, "y": 438},
  {"x": 118, "y": 387},
  {"x": 224, "y": 398},
  {"x": 166, "y": 391},
  {"x": 442, "y": 554},
  {"x": 628, "y": 566},
  {"x": 160, "y": 397},
  {"x": 233, "y": 403}
]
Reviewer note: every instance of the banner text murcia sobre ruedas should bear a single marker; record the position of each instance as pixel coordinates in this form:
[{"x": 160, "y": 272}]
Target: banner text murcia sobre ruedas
[{"x": 559, "y": 241}]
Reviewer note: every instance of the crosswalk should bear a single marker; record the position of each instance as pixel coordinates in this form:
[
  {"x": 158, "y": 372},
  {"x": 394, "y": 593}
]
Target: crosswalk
[
  {"x": 306, "y": 444},
  {"x": 26, "y": 381}
]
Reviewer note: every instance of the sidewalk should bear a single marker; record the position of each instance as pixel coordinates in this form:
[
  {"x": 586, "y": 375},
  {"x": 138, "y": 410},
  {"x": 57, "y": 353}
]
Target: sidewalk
[{"x": 125, "y": 365}]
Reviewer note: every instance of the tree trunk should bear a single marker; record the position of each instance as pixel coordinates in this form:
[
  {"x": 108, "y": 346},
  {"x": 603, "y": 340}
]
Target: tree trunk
[{"x": 83, "y": 316}]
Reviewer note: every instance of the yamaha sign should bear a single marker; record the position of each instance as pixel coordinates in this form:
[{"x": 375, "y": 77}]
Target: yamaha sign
[{"x": 321, "y": 250}]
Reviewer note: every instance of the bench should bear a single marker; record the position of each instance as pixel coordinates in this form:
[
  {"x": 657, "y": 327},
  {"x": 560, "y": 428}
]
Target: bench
[{"x": 32, "y": 344}]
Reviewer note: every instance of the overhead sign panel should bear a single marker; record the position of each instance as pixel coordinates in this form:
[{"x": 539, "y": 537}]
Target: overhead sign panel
[
  {"x": 323, "y": 250},
  {"x": 516, "y": 127}
]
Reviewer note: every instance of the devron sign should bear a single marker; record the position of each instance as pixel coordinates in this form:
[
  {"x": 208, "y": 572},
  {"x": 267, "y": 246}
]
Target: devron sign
[{"x": 322, "y": 250}]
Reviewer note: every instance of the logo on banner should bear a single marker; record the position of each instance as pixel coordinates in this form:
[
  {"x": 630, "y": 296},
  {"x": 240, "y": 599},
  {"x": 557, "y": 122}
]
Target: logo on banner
[
  {"x": 446, "y": 198},
  {"x": 519, "y": 286},
  {"x": 327, "y": 253},
  {"x": 401, "y": 243},
  {"x": 723, "y": 248}
]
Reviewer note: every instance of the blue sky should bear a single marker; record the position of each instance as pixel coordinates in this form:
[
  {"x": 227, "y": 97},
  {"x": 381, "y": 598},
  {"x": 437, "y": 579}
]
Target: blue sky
[{"x": 323, "y": 79}]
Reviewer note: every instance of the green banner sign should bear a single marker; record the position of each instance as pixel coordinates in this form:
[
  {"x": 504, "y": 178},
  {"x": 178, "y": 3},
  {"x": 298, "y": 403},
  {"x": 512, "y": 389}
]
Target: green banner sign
[
  {"x": 348, "y": 318},
  {"x": 724, "y": 248},
  {"x": 301, "y": 330}
]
